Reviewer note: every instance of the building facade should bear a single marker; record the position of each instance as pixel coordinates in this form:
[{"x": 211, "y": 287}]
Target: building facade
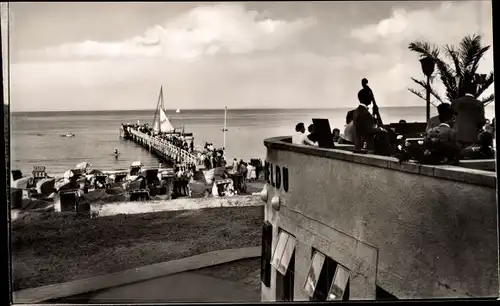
[{"x": 343, "y": 226}]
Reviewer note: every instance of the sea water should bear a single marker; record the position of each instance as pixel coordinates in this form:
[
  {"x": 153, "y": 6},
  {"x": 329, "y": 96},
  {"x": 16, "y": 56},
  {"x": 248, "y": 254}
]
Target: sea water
[{"x": 36, "y": 137}]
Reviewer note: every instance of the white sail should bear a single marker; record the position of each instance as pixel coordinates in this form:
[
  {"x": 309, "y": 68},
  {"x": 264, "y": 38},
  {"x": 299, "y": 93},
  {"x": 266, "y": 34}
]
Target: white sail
[
  {"x": 159, "y": 106},
  {"x": 156, "y": 124},
  {"x": 165, "y": 125}
]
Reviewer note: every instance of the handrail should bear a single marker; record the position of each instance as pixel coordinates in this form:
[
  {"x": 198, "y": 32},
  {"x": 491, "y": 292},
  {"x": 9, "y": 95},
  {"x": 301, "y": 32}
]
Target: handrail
[{"x": 166, "y": 147}]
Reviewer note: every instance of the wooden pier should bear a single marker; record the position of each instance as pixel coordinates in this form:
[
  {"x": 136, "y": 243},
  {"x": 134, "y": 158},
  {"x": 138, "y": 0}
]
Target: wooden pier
[{"x": 160, "y": 147}]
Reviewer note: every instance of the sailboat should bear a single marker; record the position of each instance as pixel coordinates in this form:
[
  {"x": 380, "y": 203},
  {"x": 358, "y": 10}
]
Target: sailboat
[
  {"x": 162, "y": 124},
  {"x": 160, "y": 121}
]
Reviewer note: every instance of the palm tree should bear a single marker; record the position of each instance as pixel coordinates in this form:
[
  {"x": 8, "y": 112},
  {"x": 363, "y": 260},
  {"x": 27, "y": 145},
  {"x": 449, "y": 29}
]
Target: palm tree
[{"x": 464, "y": 64}]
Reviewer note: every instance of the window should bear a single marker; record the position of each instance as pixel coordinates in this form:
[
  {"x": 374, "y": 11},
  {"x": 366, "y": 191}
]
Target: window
[
  {"x": 326, "y": 280},
  {"x": 340, "y": 282},
  {"x": 382, "y": 295},
  {"x": 284, "y": 262},
  {"x": 314, "y": 273},
  {"x": 284, "y": 251},
  {"x": 265, "y": 260}
]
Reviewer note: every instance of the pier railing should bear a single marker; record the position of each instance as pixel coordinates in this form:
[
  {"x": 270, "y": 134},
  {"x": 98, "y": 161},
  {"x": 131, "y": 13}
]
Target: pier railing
[{"x": 164, "y": 148}]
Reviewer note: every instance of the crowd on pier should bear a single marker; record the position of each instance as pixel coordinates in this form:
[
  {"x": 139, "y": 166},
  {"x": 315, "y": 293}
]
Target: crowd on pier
[
  {"x": 209, "y": 156},
  {"x": 212, "y": 157},
  {"x": 459, "y": 131}
]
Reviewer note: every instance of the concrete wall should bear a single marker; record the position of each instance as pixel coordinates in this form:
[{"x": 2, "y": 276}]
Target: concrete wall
[{"x": 416, "y": 231}]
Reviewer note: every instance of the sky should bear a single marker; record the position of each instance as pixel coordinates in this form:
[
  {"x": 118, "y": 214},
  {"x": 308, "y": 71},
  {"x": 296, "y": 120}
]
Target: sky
[{"x": 115, "y": 56}]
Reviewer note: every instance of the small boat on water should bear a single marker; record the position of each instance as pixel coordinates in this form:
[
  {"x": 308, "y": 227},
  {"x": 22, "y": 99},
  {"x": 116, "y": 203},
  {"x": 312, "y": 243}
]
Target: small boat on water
[{"x": 68, "y": 135}]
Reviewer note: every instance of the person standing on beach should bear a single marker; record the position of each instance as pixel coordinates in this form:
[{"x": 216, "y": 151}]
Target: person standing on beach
[
  {"x": 470, "y": 117},
  {"x": 249, "y": 172}
]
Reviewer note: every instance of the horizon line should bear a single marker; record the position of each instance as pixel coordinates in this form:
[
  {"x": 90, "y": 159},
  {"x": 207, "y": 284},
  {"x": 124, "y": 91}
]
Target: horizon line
[{"x": 197, "y": 109}]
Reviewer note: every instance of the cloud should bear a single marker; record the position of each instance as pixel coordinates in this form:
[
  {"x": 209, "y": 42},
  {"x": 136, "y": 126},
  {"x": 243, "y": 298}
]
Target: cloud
[
  {"x": 123, "y": 75},
  {"x": 442, "y": 25},
  {"x": 204, "y": 30},
  {"x": 389, "y": 38}
]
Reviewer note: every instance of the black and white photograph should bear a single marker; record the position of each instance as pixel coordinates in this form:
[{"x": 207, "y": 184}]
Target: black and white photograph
[{"x": 259, "y": 151}]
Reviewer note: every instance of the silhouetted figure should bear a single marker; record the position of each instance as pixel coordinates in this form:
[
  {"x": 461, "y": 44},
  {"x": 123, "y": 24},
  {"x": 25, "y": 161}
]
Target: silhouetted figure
[
  {"x": 439, "y": 145},
  {"x": 369, "y": 95},
  {"x": 336, "y": 134},
  {"x": 363, "y": 121},
  {"x": 368, "y": 129},
  {"x": 434, "y": 121},
  {"x": 470, "y": 117},
  {"x": 312, "y": 136}
]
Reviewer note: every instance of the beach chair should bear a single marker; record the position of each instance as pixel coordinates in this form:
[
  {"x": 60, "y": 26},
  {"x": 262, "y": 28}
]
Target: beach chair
[
  {"x": 38, "y": 173},
  {"x": 223, "y": 186},
  {"x": 101, "y": 181},
  {"x": 66, "y": 201},
  {"x": 139, "y": 195}
]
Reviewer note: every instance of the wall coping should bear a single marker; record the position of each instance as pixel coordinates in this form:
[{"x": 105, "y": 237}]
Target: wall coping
[
  {"x": 447, "y": 172},
  {"x": 79, "y": 286}
]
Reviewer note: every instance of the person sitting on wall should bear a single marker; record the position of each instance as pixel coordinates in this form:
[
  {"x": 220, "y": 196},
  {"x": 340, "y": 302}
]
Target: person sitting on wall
[
  {"x": 348, "y": 136},
  {"x": 300, "y": 136},
  {"x": 312, "y": 136},
  {"x": 434, "y": 121},
  {"x": 483, "y": 148},
  {"x": 439, "y": 144},
  {"x": 470, "y": 116},
  {"x": 366, "y": 129},
  {"x": 336, "y": 135},
  {"x": 364, "y": 122}
]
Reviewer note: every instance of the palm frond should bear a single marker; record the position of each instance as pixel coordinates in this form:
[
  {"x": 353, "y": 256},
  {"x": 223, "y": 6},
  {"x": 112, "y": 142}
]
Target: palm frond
[
  {"x": 424, "y": 49},
  {"x": 447, "y": 76},
  {"x": 462, "y": 61},
  {"x": 421, "y": 96},
  {"x": 487, "y": 83},
  {"x": 487, "y": 100},
  {"x": 423, "y": 84},
  {"x": 453, "y": 54},
  {"x": 470, "y": 49},
  {"x": 479, "y": 56},
  {"x": 417, "y": 93}
]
